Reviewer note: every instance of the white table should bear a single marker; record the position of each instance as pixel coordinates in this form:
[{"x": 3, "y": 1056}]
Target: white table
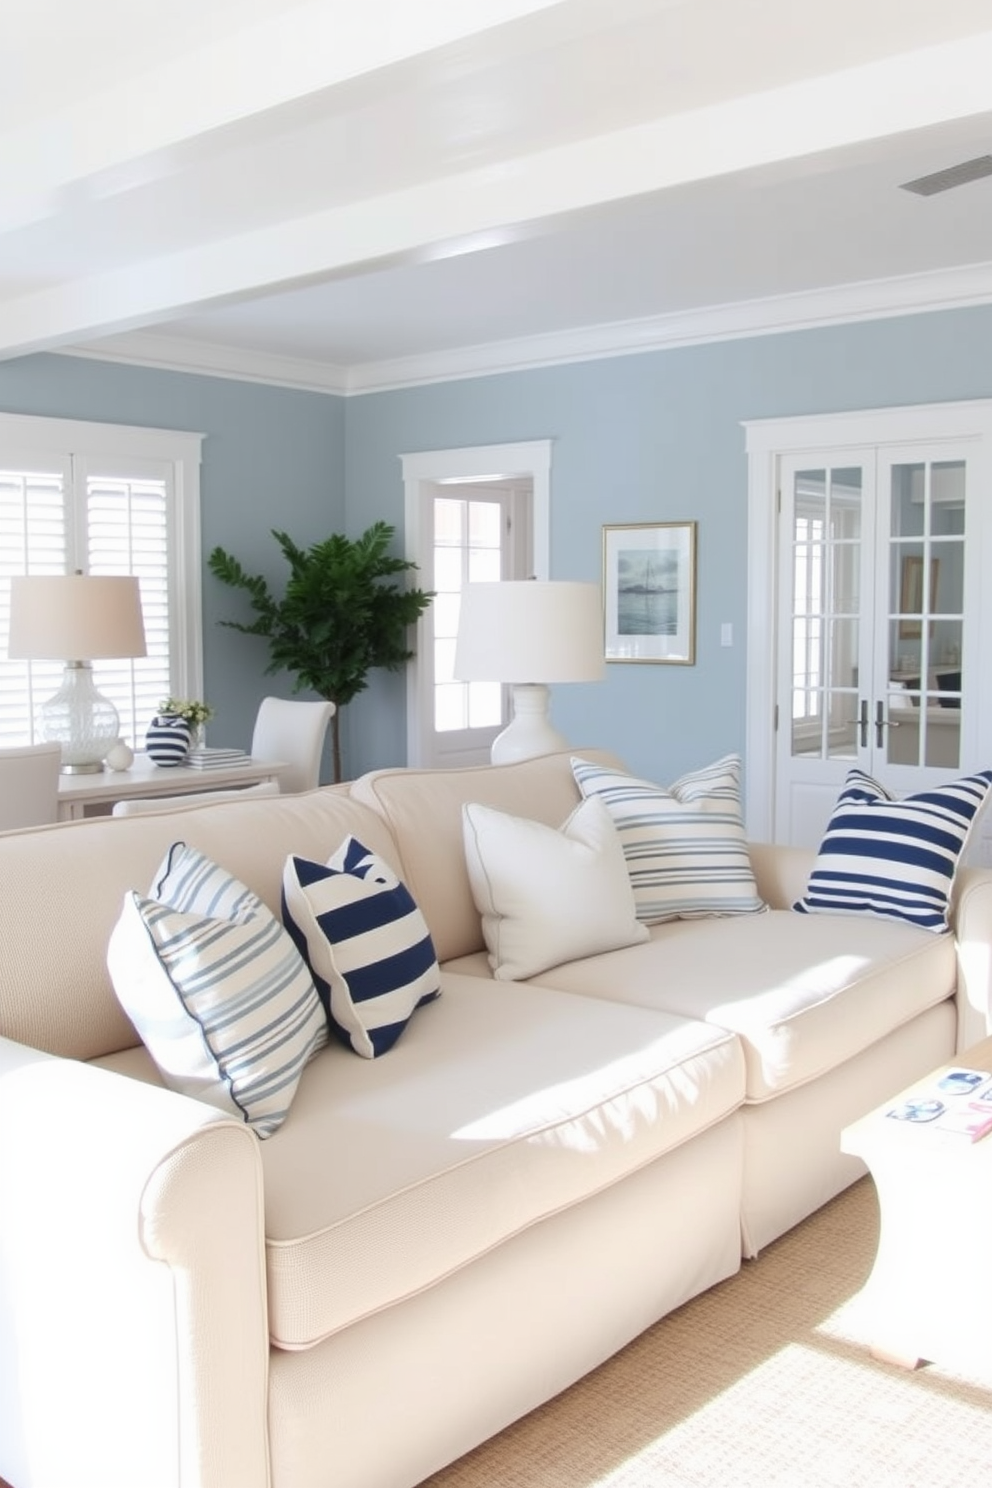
[
  {"x": 930, "y": 1292},
  {"x": 83, "y": 795}
]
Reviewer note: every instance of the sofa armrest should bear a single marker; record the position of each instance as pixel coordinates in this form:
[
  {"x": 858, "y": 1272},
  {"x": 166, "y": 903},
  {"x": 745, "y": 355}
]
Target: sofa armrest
[
  {"x": 133, "y": 1329},
  {"x": 971, "y": 921}
]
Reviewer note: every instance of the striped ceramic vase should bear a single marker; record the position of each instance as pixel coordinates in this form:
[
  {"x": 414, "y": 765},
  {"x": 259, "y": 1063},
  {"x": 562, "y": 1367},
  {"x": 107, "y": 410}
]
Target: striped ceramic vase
[{"x": 168, "y": 739}]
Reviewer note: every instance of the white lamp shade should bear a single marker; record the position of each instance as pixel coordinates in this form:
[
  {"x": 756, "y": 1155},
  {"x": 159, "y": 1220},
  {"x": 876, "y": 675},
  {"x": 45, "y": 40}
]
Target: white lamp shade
[
  {"x": 530, "y": 630},
  {"x": 78, "y": 617}
]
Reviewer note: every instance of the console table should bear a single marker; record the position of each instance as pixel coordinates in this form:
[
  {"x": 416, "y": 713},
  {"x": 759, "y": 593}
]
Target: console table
[
  {"x": 929, "y": 1295},
  {"x": 85, "y": 795}
]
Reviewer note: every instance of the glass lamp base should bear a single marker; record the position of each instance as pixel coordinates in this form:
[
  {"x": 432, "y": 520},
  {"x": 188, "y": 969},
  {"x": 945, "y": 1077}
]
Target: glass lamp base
[{"x": 81, "y": 720}]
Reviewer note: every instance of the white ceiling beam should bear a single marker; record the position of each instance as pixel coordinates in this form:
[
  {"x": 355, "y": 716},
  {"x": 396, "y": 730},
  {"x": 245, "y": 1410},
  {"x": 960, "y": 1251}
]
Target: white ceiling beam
[
  {"x": 130, "y": 131},
  {"x": 477, "y": 209}
]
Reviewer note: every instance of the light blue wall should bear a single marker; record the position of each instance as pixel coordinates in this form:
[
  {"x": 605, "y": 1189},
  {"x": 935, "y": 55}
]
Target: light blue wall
[
  {"x": 271, "y": 458},
  {"x": 653, "y": 437}
]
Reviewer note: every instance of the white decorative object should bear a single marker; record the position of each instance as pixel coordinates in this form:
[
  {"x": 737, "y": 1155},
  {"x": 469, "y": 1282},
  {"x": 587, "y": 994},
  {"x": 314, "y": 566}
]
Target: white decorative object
[
  {"x": 529, "y": 633},
  {"x": 546, "y": 895},
  {"x": 120, "y": 756}
]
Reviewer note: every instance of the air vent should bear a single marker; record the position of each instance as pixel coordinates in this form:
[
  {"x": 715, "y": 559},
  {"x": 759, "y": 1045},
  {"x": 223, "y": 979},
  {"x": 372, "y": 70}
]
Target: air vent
[{"x": 955, "y": 175}]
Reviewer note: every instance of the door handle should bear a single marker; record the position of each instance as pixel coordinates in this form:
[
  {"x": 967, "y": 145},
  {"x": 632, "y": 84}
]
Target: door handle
[
  {"x": 881, "y": 722},
  {"x": 863, "y": 723}
]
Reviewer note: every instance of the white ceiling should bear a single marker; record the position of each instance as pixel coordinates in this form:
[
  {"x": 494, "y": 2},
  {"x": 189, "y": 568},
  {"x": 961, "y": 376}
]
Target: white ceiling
[{"x": 351, "y": 196}]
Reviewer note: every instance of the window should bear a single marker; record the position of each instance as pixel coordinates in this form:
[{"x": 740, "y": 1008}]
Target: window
[
  {"x": 472, "y": 515},
  {"x": 471, "y": 532},
  {"x": 103, "y": 499}
]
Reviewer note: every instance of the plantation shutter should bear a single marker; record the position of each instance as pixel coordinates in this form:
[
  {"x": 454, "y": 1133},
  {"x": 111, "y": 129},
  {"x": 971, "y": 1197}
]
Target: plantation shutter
[
  {"x": 34, "y": 539},
  {"x": 127, "y": 532}
]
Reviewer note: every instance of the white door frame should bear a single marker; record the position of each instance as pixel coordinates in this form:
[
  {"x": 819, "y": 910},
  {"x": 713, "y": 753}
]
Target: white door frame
[
  {"x": 767, "y": 440},
  {"x": 532, "y": 460}
]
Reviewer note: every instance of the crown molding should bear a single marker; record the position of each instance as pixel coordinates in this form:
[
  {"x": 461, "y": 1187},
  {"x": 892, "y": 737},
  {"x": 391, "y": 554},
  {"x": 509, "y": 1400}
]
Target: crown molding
[
  {"x": 872, "y": 300},
  {"x": 206, "y": 358},
  {"x": 875, "y": 299}
]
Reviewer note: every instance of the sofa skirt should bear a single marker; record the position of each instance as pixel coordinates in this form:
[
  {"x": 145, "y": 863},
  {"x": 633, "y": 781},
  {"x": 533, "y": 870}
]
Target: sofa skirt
[{"x": 399, "y": 1395}]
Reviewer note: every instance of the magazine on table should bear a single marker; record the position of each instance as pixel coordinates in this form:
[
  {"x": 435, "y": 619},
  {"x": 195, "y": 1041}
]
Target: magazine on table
[{"x": 959, "y": 1101}]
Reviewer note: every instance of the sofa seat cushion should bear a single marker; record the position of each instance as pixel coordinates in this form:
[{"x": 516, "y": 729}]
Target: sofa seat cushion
[
  {"x": 500, "y": 1105},
  {"x": 804, "y": 993}
]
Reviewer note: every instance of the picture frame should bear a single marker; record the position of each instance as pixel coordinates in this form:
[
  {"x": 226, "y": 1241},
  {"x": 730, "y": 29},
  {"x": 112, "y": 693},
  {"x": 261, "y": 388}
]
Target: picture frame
[
  {"x": 649, "y": 592},
  {"x": 911, "y": 596}
]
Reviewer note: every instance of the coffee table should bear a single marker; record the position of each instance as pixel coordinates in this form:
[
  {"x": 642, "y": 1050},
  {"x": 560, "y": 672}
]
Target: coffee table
[{"x": 929, "y": 1296}]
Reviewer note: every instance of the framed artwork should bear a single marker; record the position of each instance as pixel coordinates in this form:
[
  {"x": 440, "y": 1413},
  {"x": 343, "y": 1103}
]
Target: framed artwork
[
  {"x": 911, "y": 596},
  {"x": 649, "y": 592}
]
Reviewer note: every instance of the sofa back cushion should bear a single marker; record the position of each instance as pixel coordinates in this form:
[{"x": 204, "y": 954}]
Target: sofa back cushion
[
  {"x": 62, "y": 889},
  {"x": 424, "y": 811}
]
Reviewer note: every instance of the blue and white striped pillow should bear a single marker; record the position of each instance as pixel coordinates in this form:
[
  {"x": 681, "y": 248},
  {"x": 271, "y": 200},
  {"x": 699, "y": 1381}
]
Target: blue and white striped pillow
[
  {"x": 894, "y": 858},
  {"x": 684, "y": 845},
  {"x": 216, "y": 990},
  {"x": 365, "y": 941}
]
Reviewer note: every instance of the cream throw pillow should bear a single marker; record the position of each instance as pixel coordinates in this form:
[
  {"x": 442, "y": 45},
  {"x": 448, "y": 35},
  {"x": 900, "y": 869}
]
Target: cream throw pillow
[{"x": 547, "y": 896}]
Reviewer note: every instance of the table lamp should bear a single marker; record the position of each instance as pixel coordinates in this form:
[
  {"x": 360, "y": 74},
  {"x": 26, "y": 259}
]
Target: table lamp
[
  {"x": 528, "y": 633},
  {"x": 58, "y": 616}
]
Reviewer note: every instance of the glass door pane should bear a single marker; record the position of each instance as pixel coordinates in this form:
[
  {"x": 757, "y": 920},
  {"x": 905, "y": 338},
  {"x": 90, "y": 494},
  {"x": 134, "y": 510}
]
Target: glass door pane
[
  {"x": 926, "y": 614},
  {"x": 826, "y": 566}
]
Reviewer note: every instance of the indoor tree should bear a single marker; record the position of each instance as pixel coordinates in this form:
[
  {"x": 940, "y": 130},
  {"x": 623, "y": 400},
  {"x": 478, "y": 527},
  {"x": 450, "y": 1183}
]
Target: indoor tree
[{"x": 339, "y": 617}]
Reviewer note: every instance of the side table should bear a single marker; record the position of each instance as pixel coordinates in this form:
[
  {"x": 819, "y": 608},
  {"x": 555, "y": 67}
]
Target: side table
[{"x": 929, "y": 1296}]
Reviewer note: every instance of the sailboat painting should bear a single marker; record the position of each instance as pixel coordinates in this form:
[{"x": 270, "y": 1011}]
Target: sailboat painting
[{"x": 649, "y": 576}]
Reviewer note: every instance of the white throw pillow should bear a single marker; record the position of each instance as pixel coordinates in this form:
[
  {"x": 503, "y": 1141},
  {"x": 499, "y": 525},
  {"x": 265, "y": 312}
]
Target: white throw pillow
[
  {"x": 547, "y": 896},
  {"x": 216, "y": 989},
  {"x": 684, "y": 844},
  {"x": 365, "y": 941}
]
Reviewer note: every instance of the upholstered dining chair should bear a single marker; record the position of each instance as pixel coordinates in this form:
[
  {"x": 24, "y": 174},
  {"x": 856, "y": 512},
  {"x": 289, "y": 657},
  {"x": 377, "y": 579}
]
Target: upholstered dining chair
[
  {"x": 29, "y": 785},
  {"x": 293, "y": 732},
  {"x": 144, "y": 805}
]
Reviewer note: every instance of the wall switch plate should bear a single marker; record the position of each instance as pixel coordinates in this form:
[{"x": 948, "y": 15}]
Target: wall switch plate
[{"x": 726, "y": 634}]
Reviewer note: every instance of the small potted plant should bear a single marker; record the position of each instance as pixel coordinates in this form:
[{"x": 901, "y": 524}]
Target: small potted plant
[{"x": 177, "y": 726}]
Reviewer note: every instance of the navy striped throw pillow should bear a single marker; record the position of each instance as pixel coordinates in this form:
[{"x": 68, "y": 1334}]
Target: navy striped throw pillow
[
  {"x": 365, "y": 941},
  {"x": 216, "y": 989},
  {"x": 894, "y": 858}
]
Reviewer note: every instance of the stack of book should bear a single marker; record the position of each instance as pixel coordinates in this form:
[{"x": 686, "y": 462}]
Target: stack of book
[{"x": 204, "y": 758}]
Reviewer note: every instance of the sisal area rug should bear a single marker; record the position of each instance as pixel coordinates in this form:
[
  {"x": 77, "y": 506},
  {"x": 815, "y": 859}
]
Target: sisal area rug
[{"x": 763, "y": 1382}]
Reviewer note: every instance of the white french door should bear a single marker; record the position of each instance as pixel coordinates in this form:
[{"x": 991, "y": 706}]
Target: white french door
[
  {"x": 871, "y": 669},
  {"x": 875, "y": 637}
]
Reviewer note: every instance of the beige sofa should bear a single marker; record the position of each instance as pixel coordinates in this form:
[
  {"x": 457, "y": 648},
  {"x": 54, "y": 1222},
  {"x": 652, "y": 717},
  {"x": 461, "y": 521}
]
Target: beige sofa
[{"x": 437, "y": 1240}]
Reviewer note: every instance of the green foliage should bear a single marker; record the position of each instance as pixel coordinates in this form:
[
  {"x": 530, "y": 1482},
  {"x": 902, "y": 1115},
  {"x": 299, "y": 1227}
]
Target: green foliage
[
  {"x": 191, "y": 709},
  {"x": 339, "y": 617}
]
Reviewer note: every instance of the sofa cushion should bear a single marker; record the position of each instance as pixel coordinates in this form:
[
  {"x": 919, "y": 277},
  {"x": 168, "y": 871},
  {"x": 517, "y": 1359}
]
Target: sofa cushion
[
  {"x": 684, "y": 844},
  {"x": 802, "y": 997},
  {"x": 365, "y": 941},
  {"x": 498, "y": 1107},
  {"x": 216, "y": 989},
  {"x": 423, "y": 808},
  {"x": 894, "y": 858},
  {"x": 548, "y": 896}
]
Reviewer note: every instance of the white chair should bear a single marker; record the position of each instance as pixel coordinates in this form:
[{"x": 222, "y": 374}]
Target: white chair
[
  {"x": 294, "y": 733},
  {"x": 144, "y": 805},
  {"x": 29, "y": 786}
]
